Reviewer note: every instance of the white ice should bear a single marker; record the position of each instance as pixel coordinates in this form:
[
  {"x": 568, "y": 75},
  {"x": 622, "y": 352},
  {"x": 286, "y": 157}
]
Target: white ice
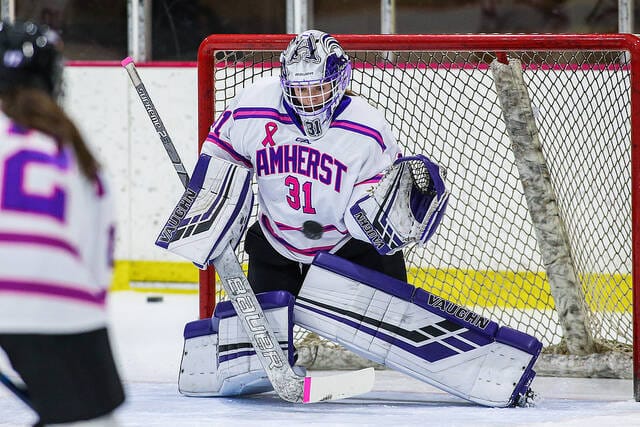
[{"x": 148, "y": 341}]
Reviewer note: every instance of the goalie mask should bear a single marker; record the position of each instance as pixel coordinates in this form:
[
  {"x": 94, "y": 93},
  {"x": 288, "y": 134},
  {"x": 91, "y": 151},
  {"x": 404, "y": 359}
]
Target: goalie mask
[{"x": 315, "y": 73}]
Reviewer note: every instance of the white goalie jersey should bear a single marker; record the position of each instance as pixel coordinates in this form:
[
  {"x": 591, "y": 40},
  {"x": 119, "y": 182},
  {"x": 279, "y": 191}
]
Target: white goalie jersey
[{"x": 302, "y": 180}]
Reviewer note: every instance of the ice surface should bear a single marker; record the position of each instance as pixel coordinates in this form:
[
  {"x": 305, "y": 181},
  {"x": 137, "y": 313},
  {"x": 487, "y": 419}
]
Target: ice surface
[{"x": 148, "y": 342}]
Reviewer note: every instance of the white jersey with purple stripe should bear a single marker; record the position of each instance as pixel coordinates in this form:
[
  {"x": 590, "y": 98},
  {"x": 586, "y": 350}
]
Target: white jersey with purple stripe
[
  {"x": 56, "y": 238},
  {"x": 300, "y": 179}
]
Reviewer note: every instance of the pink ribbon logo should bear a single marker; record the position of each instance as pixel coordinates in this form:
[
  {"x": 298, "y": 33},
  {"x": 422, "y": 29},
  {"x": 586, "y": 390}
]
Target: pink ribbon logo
[{"x": 270, "y": 128}]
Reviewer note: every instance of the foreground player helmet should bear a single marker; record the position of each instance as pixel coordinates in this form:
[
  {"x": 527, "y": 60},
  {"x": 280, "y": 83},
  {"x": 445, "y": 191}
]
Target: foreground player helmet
[
  {"x": 315, "y": 73},
  {"x": 30, "y": 56}
]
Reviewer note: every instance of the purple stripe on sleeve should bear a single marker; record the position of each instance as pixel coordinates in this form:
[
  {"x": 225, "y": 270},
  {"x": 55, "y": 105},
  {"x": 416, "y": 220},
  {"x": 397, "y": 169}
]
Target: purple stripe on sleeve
[
  {"x": 224, "y": 145},
  {"x": 54, "y": 291},
  {"x": 361, "y": 129},
  {"x": 262, "y": 113},
  {"x": 372, "y": 180},
  {"x": 221, "y": 121},
  {"x": 29, "y": 239}
]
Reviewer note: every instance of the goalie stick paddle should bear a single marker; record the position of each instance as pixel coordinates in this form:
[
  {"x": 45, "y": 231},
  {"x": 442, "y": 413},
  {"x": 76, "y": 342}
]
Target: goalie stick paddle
[{"x": 289, "y": 386}]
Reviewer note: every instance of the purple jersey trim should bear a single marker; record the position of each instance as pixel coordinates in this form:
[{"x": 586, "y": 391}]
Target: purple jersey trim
[
  {"x": 30, "y": 239},
  {"x": 214, "y": 138},
  {"x": 373, "y": 180},
  {"x": 325, "y": 228},
  {"x": 54, "y": 291},
  {"x": 224, "y": 145},
  {"x": 344, "y": 103},
  {"x": 262, "y": 113},
  {"x": 294, "y": 117},
  {"x": 361, "y": 129},
  {"x": 221, "y": 121},
  {"x": 307, "y": 252}
]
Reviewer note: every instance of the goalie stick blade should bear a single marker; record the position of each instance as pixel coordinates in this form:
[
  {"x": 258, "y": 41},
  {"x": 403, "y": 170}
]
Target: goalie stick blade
[{"x": 341, "y": 386}]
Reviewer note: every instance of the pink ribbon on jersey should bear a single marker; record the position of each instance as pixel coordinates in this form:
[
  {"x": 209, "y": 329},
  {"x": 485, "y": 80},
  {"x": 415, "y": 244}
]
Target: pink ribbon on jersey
[{"x": 271, "y": 129}]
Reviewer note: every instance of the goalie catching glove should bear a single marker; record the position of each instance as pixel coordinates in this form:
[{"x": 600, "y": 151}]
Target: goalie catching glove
[
  {"x": 406, "y": 206},
  {"x": 212, "y": 213}
]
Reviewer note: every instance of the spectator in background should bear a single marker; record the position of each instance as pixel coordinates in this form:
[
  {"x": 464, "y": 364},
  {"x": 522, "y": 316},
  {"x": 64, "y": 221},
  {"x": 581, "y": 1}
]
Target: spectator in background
[{"x": 525, "y": 16}]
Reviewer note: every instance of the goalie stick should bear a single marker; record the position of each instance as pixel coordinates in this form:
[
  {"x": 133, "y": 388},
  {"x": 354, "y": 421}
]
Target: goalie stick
[
  {"x": 289, "y": 386},
  {"x": 128, "y": 64},
  {"x": 20, "y": 392}
]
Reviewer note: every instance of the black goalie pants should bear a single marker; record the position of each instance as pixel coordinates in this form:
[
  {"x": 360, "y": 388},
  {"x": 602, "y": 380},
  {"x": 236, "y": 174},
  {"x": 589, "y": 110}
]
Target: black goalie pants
[
  {"x": 69, "y": 377},
  {"x": 270, "y": 271}
]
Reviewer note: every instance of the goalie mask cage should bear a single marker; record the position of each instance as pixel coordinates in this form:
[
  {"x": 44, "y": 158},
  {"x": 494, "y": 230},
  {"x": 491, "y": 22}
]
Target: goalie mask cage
[{"x": 541, "y": 153}]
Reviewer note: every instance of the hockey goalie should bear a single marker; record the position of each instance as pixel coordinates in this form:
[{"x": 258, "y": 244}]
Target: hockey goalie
[
  {"x": 338, "y": 203},
  {"x": 381, "y": 318}
]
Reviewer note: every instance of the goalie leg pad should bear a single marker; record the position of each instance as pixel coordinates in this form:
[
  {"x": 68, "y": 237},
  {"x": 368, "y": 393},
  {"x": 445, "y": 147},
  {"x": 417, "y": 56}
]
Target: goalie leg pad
[
  {"x": 218, "y": 359},
  {"x": 407, "y": 329}
]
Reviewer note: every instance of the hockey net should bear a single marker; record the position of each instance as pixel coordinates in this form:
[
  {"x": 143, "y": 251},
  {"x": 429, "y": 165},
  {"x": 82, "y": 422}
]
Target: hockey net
[{"x": 441, "y": 96}]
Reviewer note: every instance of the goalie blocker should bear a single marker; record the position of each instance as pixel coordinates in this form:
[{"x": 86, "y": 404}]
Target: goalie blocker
[
  {"x": 212, "y": 213},
  {"x": 407, "y": 329}
]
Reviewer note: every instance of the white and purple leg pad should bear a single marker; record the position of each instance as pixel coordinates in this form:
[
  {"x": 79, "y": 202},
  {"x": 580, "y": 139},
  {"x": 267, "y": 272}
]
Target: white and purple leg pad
[
  {"x": 218, "y": 359},
  {"x": 412, "y": 331}
]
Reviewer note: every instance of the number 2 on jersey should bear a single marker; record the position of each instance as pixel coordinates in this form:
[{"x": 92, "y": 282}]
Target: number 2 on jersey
[
  {"x": 299, "y": 195},
  {"x": 16, "y": 197}
]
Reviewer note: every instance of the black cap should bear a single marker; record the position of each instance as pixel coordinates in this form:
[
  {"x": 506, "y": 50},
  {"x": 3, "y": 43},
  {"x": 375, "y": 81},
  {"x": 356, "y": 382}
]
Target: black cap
[{"x": 30, "y": 56}]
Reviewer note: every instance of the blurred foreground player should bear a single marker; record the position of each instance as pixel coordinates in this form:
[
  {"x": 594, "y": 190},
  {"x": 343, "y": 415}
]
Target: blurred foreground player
[{"x": 56, "y": 241}]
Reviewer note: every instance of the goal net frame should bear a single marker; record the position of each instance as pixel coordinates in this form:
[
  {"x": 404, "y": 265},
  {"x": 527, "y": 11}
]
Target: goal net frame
[{"x": 500, "y": 45}]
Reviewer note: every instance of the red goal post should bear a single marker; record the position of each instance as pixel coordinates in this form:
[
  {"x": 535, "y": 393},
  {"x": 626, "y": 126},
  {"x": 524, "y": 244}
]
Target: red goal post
[{"x": 438, "y": 94}]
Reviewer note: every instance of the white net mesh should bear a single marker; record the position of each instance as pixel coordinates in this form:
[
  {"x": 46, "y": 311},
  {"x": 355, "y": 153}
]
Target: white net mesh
[{"x": 485, "y": 255}]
